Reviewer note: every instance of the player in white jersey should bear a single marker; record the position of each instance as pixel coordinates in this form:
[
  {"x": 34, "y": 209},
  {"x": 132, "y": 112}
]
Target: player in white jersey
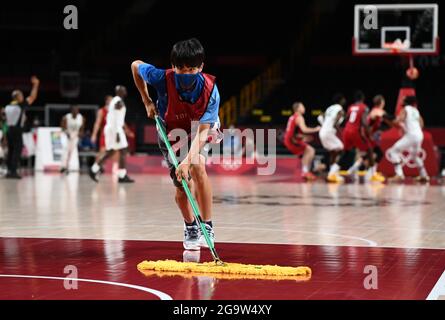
[
  {"x": 330, "y": 122},
  {"x": 412, "y": 123},
  {"x": 115, "y": 138},
  {"x": 72, "y": 124}
]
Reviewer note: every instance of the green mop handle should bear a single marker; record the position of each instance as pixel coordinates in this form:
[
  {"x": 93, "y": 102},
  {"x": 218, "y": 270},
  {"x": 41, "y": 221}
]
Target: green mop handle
[{"x": 192, "y": 201}]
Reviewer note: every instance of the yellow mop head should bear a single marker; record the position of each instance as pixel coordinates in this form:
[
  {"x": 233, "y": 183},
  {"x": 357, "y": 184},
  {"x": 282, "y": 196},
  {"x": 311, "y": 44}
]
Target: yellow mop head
[{"x": 235, "y": 269}]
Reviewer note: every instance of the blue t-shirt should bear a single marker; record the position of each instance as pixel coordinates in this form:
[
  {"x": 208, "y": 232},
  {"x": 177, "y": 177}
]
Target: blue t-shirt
[{"x": 156, "y": 78}]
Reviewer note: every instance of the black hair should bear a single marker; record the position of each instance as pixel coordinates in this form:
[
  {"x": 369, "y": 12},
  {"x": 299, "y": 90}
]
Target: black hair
[
  {"x": 410, "y": 101},
  {"x": 359, "y": 96},
  {"x": 187, "y": 53},
  {"x": 338, "y": 98}
]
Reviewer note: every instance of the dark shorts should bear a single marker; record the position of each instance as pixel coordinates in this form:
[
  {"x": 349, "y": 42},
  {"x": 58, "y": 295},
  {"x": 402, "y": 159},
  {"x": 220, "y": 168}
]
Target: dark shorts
[
  {"x": 180, "y": 155},
  {"x": 170, "y": 164}
]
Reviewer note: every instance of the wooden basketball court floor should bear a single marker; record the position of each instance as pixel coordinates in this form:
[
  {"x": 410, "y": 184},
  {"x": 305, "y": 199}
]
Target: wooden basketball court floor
[{"x": 53, "y": 227}]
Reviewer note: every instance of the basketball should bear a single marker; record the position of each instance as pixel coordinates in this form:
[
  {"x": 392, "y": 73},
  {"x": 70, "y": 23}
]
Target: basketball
[{"x": 412, "y": 73}]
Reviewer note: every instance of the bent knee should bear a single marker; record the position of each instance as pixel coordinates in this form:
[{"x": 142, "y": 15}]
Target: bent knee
[{"x": 310, "y": 150}]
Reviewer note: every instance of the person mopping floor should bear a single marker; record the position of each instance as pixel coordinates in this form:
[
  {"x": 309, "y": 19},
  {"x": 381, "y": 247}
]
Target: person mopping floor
[{"x": 187, "y": 95}]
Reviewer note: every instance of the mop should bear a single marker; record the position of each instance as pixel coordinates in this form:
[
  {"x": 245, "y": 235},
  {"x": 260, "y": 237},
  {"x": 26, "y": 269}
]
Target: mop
[{"x": 217, "y": 266}]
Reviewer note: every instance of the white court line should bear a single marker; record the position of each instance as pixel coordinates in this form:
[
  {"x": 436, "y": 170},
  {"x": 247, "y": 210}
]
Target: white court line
[
  {"x": 439, "y": 289},
  {"x": 226, "y": 241},
  {"x": 369, "y": 242},
  {"x": 161, "y": 295}
]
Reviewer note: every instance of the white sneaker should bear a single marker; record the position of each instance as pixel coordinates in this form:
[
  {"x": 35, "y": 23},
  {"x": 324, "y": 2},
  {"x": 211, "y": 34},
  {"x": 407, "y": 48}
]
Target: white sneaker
[
  {"x": 191, "y": 256},
  {"x": 202, "y": 239},
  {"x": 191, "y": 237}
]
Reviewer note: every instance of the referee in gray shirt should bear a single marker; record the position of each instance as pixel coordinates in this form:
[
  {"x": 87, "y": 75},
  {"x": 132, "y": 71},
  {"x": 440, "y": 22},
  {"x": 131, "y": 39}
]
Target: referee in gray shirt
[{"x": 15, "y": 119}]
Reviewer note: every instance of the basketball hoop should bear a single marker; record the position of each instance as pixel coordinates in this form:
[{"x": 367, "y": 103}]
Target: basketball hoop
[{"x": 397, "y": 46}]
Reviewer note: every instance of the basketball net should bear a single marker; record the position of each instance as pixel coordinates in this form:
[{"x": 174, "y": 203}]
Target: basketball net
[
  {"x": 397, "y": 46},
  {"x": 400, "y": 48}
]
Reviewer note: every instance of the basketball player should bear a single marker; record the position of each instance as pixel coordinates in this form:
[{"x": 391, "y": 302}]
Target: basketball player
[
  {"x": 294, "y": 139},
  {"x": 411, "y": 122},
  {"x": 330, "y": 127},
  {"x": 356, "y": 136},
  {"x": 185, "y": 94},
  {"x": 99, "y": 125},
  {"x": 72, "y": 124},
  {"x": 115, "y": 138},
  {"x": 376, "y": 117}
]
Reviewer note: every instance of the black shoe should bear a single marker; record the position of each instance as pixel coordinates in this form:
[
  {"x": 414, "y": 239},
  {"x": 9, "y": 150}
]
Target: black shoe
[
  {"x": 13, "y": 176},
  {"x": 93, "y": 175},
  {"x": 125, "y": 179},
  {"x": 64, "y": 171}
]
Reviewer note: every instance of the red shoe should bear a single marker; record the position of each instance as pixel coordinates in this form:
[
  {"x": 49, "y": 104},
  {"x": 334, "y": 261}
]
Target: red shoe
[{"x": 309, "y": 176}]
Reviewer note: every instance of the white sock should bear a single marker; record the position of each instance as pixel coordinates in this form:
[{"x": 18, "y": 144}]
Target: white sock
[
  {"x": 305, "y": 169},
  {"x": 334, "y": 169},
  {"x": 121, "y": 173},
  {"x": 368, "y": 174},
  {"x": 423, "y": 172},
  {"x": 399, "y": 170},
  {"x": 355, "y": 167},
  {"x": 95, "y": 168},
  {"x": 373, "y": 169}
]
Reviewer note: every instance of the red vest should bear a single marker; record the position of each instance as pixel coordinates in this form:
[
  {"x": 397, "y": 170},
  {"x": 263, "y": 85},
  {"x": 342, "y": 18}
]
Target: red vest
[{"x": 179, "y": 113}]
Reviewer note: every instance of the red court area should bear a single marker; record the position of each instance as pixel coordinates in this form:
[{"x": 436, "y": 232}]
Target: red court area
[{"x": 106, "y": 269}]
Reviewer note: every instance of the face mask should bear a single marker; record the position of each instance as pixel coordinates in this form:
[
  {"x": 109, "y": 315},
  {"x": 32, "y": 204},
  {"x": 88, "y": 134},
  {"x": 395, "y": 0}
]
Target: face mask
[{"x": 185, "y": 83}]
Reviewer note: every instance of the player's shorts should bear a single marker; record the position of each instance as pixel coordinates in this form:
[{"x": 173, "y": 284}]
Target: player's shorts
[
  {"x": 296, "y": 148},
  {"x": 376, "y": 138},
  {"x": 408, "y": 142},
  {"x": 353, "y": 139},
  {"x": 330, "y": 141},
  {"x": 115, "y": 140}
]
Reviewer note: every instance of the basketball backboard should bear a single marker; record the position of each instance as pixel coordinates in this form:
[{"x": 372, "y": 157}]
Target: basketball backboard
[{"x": 411, "y": 28}]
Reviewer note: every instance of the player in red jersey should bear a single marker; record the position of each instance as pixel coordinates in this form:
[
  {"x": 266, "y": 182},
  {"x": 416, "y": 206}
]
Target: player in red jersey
[
  {"x": 356, "y": 135},
  {"x": 376, "y": 117},
  {"x": 294, "y": 139}
]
